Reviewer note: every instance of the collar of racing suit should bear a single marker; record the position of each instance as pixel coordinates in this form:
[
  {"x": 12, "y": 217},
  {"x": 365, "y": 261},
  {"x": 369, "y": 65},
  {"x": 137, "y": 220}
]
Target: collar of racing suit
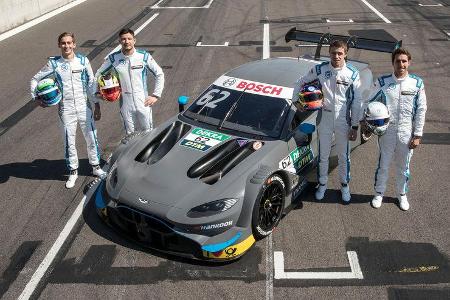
[{"x": 399, "y": 79}]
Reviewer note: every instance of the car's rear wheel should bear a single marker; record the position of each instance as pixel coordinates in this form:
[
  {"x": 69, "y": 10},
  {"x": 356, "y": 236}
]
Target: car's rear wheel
[{"x": 268, "y": 208}]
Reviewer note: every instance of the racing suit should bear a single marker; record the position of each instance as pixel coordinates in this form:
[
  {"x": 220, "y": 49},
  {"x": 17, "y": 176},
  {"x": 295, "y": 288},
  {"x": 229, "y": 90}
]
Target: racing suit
[
  {"x": 341, "y": 88},
  {"x": 75, "y": 79},
  {"x": 132, "y": 71},
  {"x": 406, "y": 101}
]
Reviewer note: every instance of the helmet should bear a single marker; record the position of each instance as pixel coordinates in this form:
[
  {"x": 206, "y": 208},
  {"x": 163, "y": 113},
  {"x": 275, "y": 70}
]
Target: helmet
[
  {"x": 376, "y": 117},
  {"x": 109, "y": 87},
  {"x": 48, "y": 92},
  {"x": 310, "y": 97}
]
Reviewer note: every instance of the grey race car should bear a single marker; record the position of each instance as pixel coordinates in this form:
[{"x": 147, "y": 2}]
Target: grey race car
[{"x": 213, "y": 179}]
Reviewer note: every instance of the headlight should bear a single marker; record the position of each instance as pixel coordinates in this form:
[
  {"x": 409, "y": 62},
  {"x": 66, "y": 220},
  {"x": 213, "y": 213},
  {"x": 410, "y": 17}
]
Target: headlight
[
  {"x": 212, "y": 208},
  {"x": 112, "y": 175}
]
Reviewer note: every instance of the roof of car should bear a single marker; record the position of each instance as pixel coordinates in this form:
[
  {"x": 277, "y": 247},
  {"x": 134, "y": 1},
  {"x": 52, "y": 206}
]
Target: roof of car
[{"x": 282, "y": 71}]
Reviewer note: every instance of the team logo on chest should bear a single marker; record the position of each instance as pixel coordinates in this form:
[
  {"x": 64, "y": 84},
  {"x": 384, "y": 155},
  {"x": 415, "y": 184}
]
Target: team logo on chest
[
  {"x": 327, "y": 74},
  {"x": 391, "y": 86},
  {"x": 64, "y": 67},
  {"x": 122, "y": 61}
]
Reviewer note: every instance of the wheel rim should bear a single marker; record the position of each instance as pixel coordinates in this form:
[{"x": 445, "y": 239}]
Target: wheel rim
[{"x": 270, "y": 207}]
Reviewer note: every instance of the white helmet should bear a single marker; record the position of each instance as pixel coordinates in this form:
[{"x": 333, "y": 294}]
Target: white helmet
[{"x": 376, "y": 117}]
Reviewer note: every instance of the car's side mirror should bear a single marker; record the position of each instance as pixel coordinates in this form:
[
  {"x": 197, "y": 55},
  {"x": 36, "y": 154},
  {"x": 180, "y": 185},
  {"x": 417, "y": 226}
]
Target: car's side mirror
[
  {"x": 303, "y": 134},
  {"x": 182, "y": 101},
  {"x": 307, "y": 128}
]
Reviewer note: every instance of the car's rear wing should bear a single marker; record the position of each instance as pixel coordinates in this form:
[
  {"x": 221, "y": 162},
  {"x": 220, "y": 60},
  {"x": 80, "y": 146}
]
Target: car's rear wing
[{"x": 352, "y": 41}]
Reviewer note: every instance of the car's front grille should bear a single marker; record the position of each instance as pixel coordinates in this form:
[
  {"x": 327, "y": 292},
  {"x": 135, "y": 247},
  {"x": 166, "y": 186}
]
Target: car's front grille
[{"x": 151, "y": 231}]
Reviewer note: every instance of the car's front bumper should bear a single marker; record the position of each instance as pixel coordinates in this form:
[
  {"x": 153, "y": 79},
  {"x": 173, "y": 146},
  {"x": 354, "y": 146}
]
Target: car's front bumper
[{"x": 156, "y": 233}]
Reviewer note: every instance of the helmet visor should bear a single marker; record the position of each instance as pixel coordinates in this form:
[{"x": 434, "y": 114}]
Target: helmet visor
[
  {"x": 311, "y": 96},
  {"x": 111, "y": 90},
  {"x": 50, "y": 96},
  {"x": 378, "y": 122}
]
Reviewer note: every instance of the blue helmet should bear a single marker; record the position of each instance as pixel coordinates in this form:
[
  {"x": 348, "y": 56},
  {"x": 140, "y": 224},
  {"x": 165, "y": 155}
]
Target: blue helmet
[{"x": 48, "y": 92}]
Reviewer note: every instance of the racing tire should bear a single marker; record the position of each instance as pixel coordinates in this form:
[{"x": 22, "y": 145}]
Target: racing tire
[{"x": 268, "y": 207}]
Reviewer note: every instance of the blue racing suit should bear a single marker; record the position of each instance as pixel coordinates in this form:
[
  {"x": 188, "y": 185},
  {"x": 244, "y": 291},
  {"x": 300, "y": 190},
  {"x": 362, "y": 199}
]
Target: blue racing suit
[
  {"x": 341, "y": 88},
  {"x": 132, "y": 71},
  {"x": 406, "y": 102},
  {"x": 75, "y": 79}
]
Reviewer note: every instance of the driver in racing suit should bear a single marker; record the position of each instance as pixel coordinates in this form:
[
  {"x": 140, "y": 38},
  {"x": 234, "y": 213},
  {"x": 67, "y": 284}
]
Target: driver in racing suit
[
  {"x": 74, "y": 75},
  {"x": 404, "y": 95},
  {"x": 132, "y": 66},
  {"x": 341, "y": 87}
]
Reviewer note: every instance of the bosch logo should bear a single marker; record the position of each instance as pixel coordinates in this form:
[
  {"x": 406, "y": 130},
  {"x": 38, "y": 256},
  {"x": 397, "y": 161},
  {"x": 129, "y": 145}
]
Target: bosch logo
[
  {"x": 260, "y": 88},
  {"x": 229, "y": 82}
]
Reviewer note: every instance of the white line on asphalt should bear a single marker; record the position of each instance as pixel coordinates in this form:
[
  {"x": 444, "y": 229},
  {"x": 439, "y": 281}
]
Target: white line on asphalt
[
  {"x": 376, "y": 11},
  {"x": 38, "y": 20},
  {"x": 266, "y": 41},
  {"x": 430, "y": 5},
  {"x": 340, "y": 21},
  {"x": 135, "y": 32},
  {"x": 355, "y": 272},
  {"x": 199, "y": 44},
  {"x": 156, "y": 6},
  {"x": 269, "y": 268},
  {"x": 48, "y": 259}
]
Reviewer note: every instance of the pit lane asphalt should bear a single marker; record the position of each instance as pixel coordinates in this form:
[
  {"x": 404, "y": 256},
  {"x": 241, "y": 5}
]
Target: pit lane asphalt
[{"x": 402, "y": 254}]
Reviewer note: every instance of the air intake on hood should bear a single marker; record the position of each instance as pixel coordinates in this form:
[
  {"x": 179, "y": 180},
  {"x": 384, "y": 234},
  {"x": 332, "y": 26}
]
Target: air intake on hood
[
  {"x": 213, "y": 166},
  {"x": 163, "y": 142}
]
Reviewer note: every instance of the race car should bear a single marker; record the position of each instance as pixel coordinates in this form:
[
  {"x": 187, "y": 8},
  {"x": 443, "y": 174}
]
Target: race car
[{"x": 218, "y": 176}]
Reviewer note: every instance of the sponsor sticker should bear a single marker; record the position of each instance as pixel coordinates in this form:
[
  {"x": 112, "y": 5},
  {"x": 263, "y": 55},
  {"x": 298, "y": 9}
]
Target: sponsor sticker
[
  {"x": 231, "y": 251},
  {"x": 216, "y": 226},
  {"x": 242, "y": 142},
  {"x": 203, "y": 139},
  {"x": 297, "y": 159},
  {"x": 254, "y": 87},
  {"x": 408, "y": 93}
]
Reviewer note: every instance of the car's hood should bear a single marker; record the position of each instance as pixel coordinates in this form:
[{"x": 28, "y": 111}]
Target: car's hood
[{"x": 188, "y": 166}]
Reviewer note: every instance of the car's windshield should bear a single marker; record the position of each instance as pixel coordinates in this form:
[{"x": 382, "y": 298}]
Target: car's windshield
[{"x": 241, "y": 111}]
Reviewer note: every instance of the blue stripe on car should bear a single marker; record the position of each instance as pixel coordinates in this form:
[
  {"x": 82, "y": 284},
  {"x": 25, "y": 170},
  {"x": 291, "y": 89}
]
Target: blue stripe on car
[{"x": 221, "y": 246}]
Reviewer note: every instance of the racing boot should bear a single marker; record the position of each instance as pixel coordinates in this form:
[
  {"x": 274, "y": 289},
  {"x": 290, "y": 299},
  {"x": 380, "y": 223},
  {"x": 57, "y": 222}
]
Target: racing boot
[
  {"x": 403, "y": 201},
  {"x": 320, "y": 192},
  {"x": 97, "y": 171},
  {"x": 377, "y": 201},
  {"x": 345, "y": 192},
  {"x": 73, "y": 175}
]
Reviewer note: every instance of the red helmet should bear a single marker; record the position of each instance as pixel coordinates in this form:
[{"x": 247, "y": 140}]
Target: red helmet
[
  {"x": 310, "y": 97},
  {"x": 109, "y": 87}
]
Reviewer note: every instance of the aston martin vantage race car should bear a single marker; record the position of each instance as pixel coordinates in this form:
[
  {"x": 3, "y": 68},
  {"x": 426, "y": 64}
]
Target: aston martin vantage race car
[{"x": 219, "y": 175}]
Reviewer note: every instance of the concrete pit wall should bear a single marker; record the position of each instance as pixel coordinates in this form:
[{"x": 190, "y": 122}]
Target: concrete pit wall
[{"x": 14, "y": 13}]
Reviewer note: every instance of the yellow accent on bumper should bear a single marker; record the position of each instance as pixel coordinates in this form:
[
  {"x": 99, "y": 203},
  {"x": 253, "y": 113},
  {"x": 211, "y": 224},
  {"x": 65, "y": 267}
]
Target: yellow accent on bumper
[{"x": 231, "y": 251}]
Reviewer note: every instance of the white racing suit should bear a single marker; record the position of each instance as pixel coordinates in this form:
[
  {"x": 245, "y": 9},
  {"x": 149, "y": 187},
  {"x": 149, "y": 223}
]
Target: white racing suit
[
  {"x": 406, "y": 101},
  {"x": 341, "y": 88},
  {"x": 75, "y": 79},
  {"x": 132, "y": 72}
]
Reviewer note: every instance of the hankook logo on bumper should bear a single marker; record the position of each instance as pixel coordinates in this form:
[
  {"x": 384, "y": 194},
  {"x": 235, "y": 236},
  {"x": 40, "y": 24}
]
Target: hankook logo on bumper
[{"x": 215, "y": 226}]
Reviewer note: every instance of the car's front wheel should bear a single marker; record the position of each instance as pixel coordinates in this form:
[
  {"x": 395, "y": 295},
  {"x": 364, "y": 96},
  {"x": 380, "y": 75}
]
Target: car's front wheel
[{"x": 268, "y": 208}]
